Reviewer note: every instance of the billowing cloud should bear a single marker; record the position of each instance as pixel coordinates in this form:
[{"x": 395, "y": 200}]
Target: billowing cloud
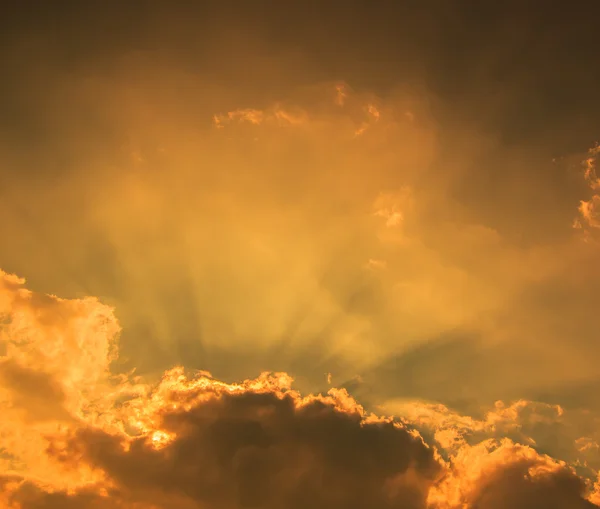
[
  {"x": 493, "y": 475},
  {"x": 54, "y": 370},
  {"x": 568, "y": 435},
  {"x": 191, "y": 441}
]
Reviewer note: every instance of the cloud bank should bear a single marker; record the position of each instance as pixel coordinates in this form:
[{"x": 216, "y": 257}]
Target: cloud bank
[{"x": 79, "y": 436}]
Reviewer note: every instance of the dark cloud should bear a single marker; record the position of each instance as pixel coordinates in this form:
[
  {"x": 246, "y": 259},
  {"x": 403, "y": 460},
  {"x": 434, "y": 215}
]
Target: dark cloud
[
  {"x": 27, "y": 495},
  {"x": 268, "y": 447},
  {"x": 515, "y": 486},
  {"x": 520, "y": 486},
  {"x": 269, "y": 450}
]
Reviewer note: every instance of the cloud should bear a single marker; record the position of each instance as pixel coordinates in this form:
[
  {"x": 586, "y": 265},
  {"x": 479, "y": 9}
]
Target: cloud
[
  {"x": 241, "y": 235},
  {"x": 340, "y": 94},
  {"x": 239, "y": 447},
  {"x": 393, "y": 206},
  {"x": 54, "y": 371},
  {"x": 374, "y": 264},
  {"x": 232, "y": 234},
  {"x": 247, "y": 115},
  {"x": 589, "y": 210},
  {"x": 493, "y": 475},
  {"x": 190, "y": 440},
  {"x": 238, "y": 218},
  {"x": 41, "y": 331},
  {"x": 257, "y": 117},
  {"x": 548, "y": 428}
]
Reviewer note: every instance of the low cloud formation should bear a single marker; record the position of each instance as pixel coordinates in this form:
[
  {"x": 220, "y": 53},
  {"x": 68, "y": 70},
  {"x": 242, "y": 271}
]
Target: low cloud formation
[{"x": 79, "y": 436}]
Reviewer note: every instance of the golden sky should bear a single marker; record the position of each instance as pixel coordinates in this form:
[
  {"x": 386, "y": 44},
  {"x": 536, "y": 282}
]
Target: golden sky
[{"x": 299, "y": 254}]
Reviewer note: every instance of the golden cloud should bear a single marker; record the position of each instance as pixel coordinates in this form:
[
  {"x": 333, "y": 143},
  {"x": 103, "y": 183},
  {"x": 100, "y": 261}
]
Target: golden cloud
[
  {"x": 589, "y": 210},
  {"x": 192, "y": 441},
  {"x": 254, "y": 237}
]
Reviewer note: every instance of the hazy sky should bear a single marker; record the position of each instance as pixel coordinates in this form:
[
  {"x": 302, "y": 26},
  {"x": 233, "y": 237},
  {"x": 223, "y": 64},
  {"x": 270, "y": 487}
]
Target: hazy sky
[{"x": 397, "y": 201}]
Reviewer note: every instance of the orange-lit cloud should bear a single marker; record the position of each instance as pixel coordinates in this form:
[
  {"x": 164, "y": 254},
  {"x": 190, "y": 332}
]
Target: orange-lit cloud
[
  {"x": 257, "y": 117},
  {"x": 54, "y": 371},
  {"x": 492, "y": 475},
  {"x": 340, "y": 94},
  {"x": 542, "y": 426},
  {"x": 190, "y": 440},
  {"x": 393, "y": 206},
  {"x": 589, "y": 210},
  {"x": 260, "y": 244}
]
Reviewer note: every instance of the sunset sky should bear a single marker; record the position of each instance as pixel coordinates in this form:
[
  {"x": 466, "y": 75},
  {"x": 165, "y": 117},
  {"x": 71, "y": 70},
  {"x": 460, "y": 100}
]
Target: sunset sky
[{"x": 286, "y": 255}]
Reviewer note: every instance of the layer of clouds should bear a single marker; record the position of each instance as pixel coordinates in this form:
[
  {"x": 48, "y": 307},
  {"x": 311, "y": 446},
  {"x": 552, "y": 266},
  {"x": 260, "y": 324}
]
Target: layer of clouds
[
  {"x": 192, "y": 441},
  {"x": 333, "y": 231},
  {"x": 414, "y": 246}
]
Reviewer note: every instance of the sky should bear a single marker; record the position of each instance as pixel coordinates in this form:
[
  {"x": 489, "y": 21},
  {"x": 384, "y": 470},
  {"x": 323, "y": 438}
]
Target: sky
[{"x": 284, "y": 254}]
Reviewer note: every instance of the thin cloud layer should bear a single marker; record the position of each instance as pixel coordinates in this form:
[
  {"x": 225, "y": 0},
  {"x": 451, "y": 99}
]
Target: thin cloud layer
[
  {"x": 192, "y": 441},
  {"x": 241, "y": 236}
]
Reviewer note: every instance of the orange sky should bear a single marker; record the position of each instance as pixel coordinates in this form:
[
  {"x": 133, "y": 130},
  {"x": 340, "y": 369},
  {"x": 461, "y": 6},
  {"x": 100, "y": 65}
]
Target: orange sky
[{"x": 307, "y": 255}]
